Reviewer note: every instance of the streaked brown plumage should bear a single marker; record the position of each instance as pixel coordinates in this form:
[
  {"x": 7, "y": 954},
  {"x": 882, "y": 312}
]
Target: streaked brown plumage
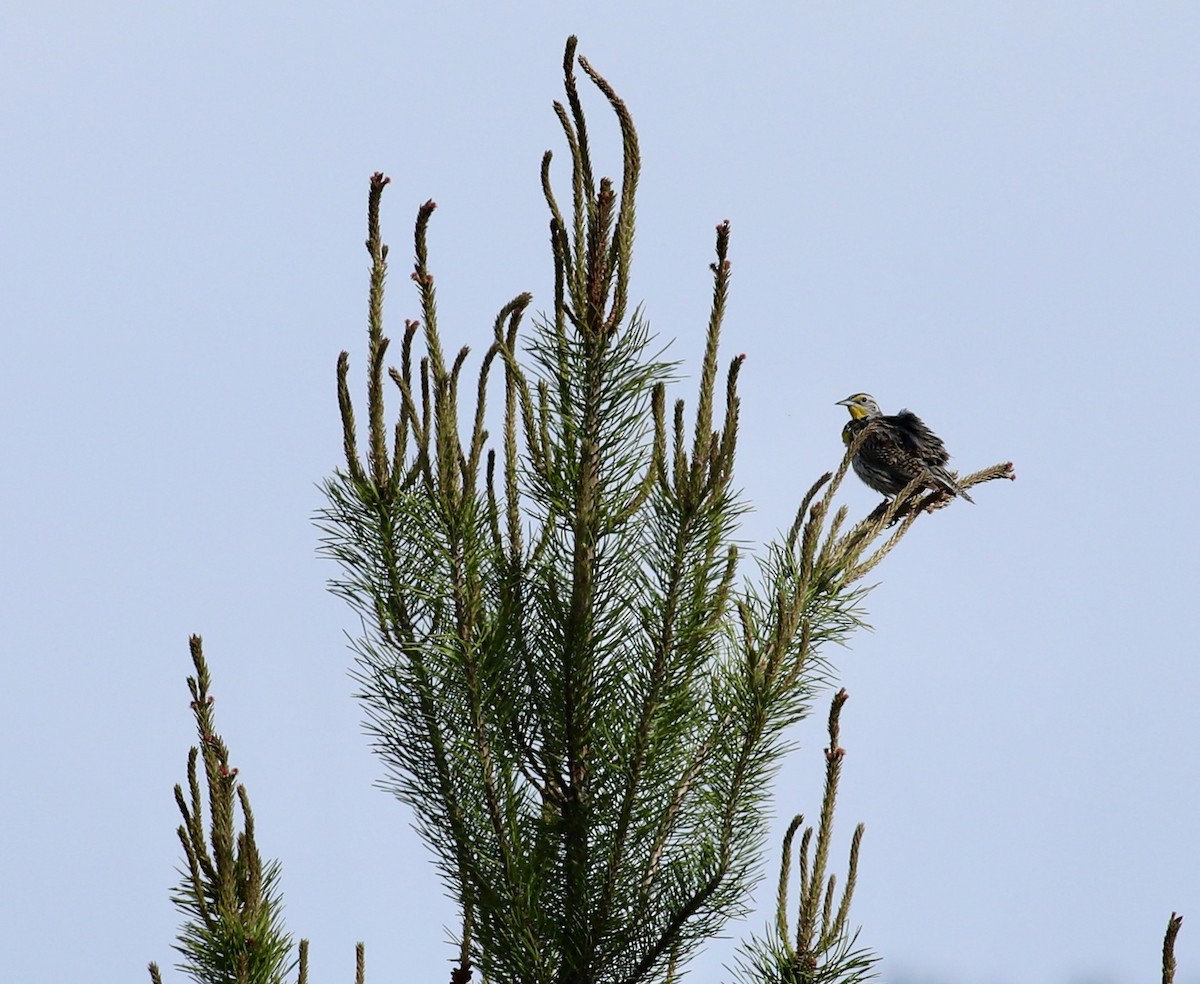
[{"x": 899, "y": 449}]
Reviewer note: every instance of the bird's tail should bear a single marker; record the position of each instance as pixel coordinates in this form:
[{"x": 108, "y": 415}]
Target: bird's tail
[{"x": 945, "y": 481}]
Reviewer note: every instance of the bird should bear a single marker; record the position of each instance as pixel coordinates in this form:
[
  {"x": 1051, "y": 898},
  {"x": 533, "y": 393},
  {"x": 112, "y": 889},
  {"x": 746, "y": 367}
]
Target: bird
[{"x": 899, "y": 449}]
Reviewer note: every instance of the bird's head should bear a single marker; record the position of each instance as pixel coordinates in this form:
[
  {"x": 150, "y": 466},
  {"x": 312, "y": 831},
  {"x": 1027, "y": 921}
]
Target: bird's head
[{"x": 861, "y": 405}]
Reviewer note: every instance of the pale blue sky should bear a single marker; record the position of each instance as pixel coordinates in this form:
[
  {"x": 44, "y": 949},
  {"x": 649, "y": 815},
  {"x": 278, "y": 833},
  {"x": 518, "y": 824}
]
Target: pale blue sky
[{"x": 986, "y": 212}]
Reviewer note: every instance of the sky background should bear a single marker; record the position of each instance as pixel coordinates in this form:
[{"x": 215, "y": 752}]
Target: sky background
[{"x": 986, "y": 212}]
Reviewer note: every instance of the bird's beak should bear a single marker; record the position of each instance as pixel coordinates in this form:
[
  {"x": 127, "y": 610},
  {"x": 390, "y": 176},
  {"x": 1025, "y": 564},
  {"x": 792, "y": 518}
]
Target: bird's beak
[{"x": 844, "y": 403}]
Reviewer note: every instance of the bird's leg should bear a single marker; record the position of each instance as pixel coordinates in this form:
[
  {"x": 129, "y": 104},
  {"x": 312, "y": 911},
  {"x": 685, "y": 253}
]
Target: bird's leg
[{"x": 880, "y": 509}]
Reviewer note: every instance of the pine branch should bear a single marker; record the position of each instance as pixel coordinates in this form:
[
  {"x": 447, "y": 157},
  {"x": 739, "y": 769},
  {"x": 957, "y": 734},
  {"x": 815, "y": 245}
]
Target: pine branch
[
  {"x": 233, "y": 929},
  {"x": 823, "y": 950},
  {"x": 1168, "y": 954}
]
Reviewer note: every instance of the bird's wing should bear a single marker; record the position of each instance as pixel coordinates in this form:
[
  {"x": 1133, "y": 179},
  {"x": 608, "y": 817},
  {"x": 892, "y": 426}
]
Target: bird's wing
[
  {"x": 917, "y": 438},
  {"x": 886, "y": 446}
]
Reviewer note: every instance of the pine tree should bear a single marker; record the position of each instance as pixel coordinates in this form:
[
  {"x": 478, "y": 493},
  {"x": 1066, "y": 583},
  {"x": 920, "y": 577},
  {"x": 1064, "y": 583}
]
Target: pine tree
[{"x": 568, "y": 675}]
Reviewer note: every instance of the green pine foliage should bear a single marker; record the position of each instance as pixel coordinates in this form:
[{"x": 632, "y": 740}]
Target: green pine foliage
[
  {"x": 568, "y": 675},
  {"x": 823, "y": 949},
  {"x": 233, "y": 931}
]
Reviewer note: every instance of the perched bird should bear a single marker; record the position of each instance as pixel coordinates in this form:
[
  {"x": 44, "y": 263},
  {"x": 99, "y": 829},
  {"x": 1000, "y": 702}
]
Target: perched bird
[{"x": 899, "y": 449}]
